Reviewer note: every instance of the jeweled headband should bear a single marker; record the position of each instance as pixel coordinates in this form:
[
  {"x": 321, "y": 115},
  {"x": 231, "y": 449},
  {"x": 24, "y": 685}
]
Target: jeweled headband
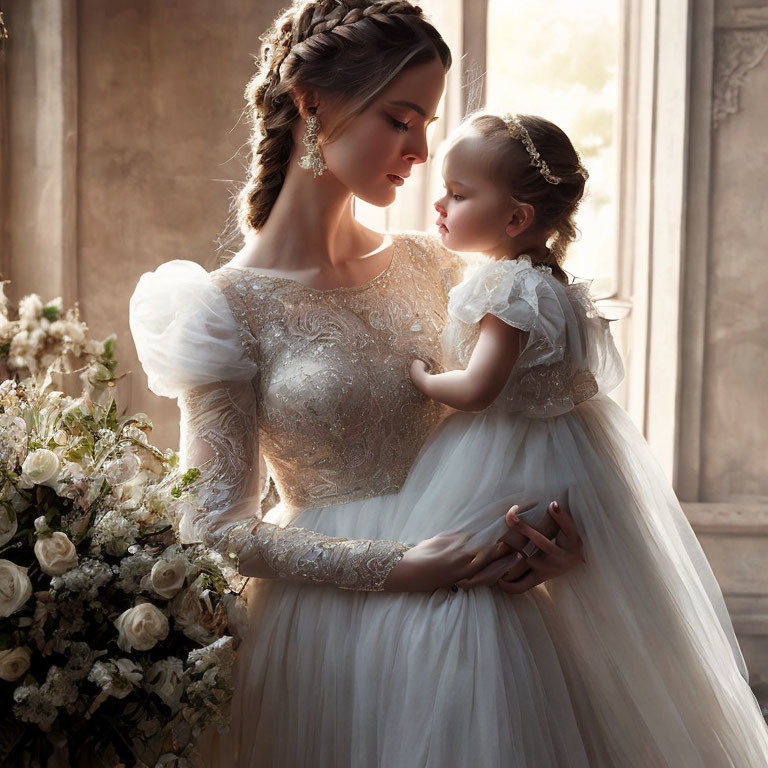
[{"x": 518, "y": 131}]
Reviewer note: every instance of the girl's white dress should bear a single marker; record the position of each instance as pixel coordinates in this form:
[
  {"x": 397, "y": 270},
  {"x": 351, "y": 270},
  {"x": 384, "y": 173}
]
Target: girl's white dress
[{"x": 627, "y": 661}]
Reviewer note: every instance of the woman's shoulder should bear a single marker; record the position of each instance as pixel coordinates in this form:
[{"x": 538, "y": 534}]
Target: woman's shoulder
[{"x": 185, "y": 329}]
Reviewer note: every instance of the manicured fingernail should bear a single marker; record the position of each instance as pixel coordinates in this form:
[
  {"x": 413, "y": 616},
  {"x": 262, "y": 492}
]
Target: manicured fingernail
[{"x": 555, "y": 506}]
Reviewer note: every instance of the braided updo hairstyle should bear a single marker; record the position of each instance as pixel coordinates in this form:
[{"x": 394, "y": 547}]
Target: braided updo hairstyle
[
  {"x": 349, "y": 51},
  {"x": 555, "y": 205}
]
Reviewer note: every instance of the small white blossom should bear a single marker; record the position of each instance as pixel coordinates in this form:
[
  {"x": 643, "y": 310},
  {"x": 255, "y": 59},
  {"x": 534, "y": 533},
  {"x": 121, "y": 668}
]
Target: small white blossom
[
  {"x": 165, "y": 678},
  {"x": 33, "y": 706},
  {"x": 116, "y": 678}
]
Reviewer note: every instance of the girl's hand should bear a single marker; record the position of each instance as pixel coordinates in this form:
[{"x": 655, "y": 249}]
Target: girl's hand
[
  {"x": 441, "y": 561},
  {"x": 419, "y": 371}
]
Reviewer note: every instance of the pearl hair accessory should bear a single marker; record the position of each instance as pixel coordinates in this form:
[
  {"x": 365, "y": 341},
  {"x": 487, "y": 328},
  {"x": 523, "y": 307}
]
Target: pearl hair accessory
[{"x": 518, "y": 131}]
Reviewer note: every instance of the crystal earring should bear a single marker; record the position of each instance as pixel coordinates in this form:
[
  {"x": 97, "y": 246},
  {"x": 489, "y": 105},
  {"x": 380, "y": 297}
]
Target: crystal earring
[{"x": 313, "y": 160}]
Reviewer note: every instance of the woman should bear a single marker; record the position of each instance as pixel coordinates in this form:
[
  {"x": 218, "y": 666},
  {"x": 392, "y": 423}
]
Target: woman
[{"x": 359, "y": 653}]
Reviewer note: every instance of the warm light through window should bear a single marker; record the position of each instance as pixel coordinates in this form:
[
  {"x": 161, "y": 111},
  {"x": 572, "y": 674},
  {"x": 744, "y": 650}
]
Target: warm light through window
[{"x": 559, "y": 59}]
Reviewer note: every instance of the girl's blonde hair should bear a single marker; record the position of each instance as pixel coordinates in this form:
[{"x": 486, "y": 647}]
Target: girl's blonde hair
[
  {"x": 349, "y": 51},
  {"x": 555, "y": 205}
]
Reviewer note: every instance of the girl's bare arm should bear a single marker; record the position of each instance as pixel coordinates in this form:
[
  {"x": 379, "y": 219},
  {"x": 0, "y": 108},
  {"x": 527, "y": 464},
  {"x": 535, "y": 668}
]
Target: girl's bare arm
[{"x": 478, "y": 385}]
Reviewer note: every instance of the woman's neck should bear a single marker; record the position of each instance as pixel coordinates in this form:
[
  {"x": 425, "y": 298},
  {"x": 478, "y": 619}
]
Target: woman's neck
[{"x": 311, "y": 225}]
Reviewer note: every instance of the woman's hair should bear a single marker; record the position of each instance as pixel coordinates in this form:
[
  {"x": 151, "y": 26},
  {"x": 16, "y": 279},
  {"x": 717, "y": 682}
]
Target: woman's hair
[
  {"x": 555, "y": 205},
  {"x": 347, "y": 50}
]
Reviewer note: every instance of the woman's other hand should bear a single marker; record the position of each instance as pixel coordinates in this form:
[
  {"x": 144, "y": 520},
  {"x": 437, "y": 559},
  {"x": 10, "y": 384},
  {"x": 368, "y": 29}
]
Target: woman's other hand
[
  {"x": 443, "y": 561},
  {"x": 552, "y": 559},
  {"x": 446, "y": 560},
  {"x": 517, "y": 573}
]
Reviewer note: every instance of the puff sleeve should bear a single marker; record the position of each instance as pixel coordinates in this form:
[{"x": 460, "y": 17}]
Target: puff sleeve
[{"x": 184, "y": 331}]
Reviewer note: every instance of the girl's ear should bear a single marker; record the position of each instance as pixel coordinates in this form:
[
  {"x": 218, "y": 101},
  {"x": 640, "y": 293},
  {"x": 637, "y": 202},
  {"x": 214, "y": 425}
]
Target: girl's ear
[{"x": 521, "y": 218}]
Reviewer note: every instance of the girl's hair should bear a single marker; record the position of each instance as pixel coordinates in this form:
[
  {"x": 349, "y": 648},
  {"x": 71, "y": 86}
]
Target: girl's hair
[
  {"x": 555, "y": 205},
  {"x": 349, "y": 51}
]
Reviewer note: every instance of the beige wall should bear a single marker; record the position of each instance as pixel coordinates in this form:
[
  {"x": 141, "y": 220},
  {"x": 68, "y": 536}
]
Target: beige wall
[
  {"x": 723, "y": 430},
  {"x": 151, "y": 142},
  {"x": 735, "y": 403}
]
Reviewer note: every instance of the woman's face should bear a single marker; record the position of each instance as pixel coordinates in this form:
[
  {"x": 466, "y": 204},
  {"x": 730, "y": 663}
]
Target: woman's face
[{"x": 374, "y": 153}]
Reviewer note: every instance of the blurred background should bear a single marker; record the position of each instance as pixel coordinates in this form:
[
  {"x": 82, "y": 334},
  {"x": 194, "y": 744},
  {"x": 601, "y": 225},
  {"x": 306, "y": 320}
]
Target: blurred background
[{"x": 122, "y": 143}]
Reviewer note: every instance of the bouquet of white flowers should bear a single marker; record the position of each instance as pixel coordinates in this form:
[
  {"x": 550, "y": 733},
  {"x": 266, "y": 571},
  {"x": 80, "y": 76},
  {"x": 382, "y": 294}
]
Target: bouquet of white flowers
[{"x": 116, "y": 643}]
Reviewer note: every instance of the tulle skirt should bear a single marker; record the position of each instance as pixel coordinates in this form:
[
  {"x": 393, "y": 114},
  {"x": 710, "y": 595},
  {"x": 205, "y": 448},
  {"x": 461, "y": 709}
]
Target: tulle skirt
[{"x": 627, "y": 661}]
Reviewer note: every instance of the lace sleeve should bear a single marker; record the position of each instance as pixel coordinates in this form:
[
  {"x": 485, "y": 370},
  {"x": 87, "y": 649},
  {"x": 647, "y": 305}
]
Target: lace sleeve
[{"x": 219, "y": 437}]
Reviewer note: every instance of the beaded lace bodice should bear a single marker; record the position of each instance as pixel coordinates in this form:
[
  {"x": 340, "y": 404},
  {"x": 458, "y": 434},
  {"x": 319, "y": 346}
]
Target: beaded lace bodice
[
  {"x": 315, "y": 382},
  {"x": 338, "y": 417}
]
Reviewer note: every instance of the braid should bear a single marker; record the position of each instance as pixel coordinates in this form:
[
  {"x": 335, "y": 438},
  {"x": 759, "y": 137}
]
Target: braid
[
  {"x": 308, "y": 45},
  {"x": 351, "y": 12}
]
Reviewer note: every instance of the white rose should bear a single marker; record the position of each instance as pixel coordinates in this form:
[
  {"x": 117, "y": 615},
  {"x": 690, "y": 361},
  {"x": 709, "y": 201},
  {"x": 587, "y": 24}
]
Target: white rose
[
  {"x": 41, "y": 467},
  {"x": 8, "y": 526},
  {"x": 165, "y": 678},
  {"x": 141, "y": 627},
  {"x": 186, "y": 608},
  {"x": 13, "y": 664},
  {"x": 55, "y": 553},
  {"x": 15, "y": 587},
  {"x": 167, "y": 576}
]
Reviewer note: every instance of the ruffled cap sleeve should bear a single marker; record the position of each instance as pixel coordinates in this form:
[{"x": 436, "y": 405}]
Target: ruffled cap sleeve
[
  {"x": 184, "y": 331},
  {"x": 568, "y": 354}
]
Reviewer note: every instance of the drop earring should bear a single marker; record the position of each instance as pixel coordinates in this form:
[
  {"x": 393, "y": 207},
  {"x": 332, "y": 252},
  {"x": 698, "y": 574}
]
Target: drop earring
[{"x": 313, "y": 160}]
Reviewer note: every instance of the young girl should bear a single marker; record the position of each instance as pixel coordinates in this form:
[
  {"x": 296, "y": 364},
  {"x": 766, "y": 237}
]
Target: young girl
[{"x": 641, "y": 628}]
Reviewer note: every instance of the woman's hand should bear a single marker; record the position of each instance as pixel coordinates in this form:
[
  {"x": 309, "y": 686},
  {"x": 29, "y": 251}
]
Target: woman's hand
[
  {"x": 446, "y": 560},
  {"x": 519, "y": 572},
  {"x": 441, "y": 561}
]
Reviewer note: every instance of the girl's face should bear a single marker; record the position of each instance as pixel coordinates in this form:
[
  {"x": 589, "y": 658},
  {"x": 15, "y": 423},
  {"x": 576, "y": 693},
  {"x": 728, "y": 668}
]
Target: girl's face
[
  {"x": 375, "y": 152},
  {"x": 474, "y": 211}
]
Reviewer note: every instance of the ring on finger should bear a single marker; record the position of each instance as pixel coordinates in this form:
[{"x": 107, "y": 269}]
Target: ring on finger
[{"x": 529, "y": 550}]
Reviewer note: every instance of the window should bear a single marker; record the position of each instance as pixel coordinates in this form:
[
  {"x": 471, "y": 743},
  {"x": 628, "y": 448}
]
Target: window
[{"x": 559, "y": 60}]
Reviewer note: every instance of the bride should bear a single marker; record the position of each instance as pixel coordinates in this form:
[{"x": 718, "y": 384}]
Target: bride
[{"x": 361, "y": 651}]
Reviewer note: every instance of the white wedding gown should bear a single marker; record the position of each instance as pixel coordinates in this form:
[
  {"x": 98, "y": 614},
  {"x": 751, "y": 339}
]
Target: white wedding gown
[{"x": 627, "y": 661}]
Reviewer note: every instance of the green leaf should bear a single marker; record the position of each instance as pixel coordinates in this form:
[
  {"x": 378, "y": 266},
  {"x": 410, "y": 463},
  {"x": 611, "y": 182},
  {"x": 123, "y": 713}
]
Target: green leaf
[
  {"x": 190, "y": 476},
  {"x": 50, "y": 312}
]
